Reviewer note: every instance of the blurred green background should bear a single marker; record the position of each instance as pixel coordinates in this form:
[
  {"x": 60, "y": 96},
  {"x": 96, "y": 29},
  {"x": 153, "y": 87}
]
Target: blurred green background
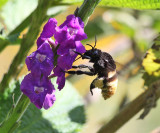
[{"x": 124, "y": 33}]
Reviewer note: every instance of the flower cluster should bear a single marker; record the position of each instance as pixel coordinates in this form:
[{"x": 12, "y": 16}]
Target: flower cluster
[{"x": 36, "y": 85}]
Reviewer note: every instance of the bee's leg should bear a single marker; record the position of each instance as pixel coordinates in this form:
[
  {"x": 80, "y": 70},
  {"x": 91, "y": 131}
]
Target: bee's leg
[
  {"x": 79, "y": 72},
  {"x": 105, "y": 83},
  {"x": 92, "y": 86},
  {"x": 83, "y": 56},
  {"x": 84, "y": 66},
  {"x": 81, "y": 66}
]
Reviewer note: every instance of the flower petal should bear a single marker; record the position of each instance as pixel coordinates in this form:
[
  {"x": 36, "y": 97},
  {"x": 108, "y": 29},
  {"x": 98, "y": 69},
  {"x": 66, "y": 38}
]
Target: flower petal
[
  {"x": 66, "y": 61},
  {"x": 49, "y": 100},
  {"x": 48, "y": 31},
  {"x": 41, "y": 61},
  {"x": 36, "y": 88},
  {"x": 79, "y": 47}
]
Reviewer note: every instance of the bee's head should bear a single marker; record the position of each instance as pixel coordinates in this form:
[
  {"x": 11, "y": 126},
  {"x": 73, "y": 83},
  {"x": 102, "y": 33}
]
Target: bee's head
[{"x": 92, "y": 54}]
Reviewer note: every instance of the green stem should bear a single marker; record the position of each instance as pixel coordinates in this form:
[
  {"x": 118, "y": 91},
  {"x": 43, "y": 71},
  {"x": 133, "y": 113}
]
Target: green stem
[
  {"x": 13, "y": 120},
  {"x": 23, "y": 24},
  {"x": 87, "y": 8},
  {"x": 27, "y": 42}
]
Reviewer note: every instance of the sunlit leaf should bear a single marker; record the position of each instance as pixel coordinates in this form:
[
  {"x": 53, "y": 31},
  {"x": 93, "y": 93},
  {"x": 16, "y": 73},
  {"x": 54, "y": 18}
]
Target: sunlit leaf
[
  {"x": 151, "y": 62},
  {"x": 135, "y": 4}
]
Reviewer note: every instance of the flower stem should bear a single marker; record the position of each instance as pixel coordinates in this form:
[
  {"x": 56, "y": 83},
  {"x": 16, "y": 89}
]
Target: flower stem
[
  {"x": 86, "y": 9},
  {"x": 15, "y": 114}
]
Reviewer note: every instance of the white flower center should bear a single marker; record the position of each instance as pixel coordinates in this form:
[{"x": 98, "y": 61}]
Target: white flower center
[
  {"x": 72, "y": 31},
  {"x": 71, "y": 51},
  {"x": 38, "y": 89},
  {"x": 40, "y": 57}
]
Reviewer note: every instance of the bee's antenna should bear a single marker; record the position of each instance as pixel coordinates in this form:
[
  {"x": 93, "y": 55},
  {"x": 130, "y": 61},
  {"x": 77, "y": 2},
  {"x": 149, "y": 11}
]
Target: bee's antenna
[
  {"x": 95, "y": 41},
  {"x": 90, "y": 45}
]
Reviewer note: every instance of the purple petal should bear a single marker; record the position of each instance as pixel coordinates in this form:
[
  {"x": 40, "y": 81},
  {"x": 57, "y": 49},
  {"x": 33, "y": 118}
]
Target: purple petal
[
  {"x": 81, "y": 23},
  {"x": 36, "y": 88},
  {"x": 68, "y": 19},
  {"x": 61, "y": 35},
  {"x": 64, "y": 47},
  {"x": 60, "y": 73},
  {"x": 41, "y": 61},
  {"x": 71, "y": 29},
  {"x": 49, "y": 28},
  {"x": 49, "y": 100},
  {"x": 79, "y": 47},
  {"x": 61, "y": 82},
  {"x": 48, "y": 31},
  {"x": 81, "y": 35},
  {"x": 66, "y": 61}
]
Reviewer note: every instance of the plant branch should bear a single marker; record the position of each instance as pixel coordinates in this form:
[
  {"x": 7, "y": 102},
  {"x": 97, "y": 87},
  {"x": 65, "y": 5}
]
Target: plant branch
[
  {"x": 24, "y": 24},
  {"x": 131, "y": 109},
  {"x": 27, "y": 42},
  {"x": 13, "y": 120}
]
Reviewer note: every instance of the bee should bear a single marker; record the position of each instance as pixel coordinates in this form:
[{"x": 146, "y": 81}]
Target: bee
[{"x": 103, "y": 66}]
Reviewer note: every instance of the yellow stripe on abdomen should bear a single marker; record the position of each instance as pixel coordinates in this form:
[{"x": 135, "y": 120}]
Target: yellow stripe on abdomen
[
  {"x": 110, "y": 89},
  {"x": 111, "y": 85}
]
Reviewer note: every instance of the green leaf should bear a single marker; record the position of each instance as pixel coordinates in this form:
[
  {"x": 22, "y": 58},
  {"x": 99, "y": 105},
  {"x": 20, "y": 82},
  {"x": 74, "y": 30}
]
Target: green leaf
[
  {"x": 151, "y": 62},
  {"x": 135, "y": 4},
  {"x": 66, "y": 116},
  {"x": 149, "y": 79},
  {"x": 3, "y": 2}
]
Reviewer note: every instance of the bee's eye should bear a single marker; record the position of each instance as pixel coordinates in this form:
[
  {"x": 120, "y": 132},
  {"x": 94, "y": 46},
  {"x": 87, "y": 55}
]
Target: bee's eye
[{"x": 95, "y": 53}]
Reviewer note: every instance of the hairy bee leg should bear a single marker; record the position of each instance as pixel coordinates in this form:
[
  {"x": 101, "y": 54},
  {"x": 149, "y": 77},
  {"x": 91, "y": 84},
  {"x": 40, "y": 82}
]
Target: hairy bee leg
[
  {"x": 105, "y": 83},
  {"x": 84, "y": 66},
  {"x": 81, "y": 66},
  {"x": 92, "y": 86},
  {"x": 81, "y": 72},
  {"x": 83, "y": 56}
]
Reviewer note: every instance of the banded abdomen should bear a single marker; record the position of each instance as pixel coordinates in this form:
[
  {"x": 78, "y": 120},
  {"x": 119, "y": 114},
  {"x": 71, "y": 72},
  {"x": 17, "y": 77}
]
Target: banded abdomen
[{"x": 108, "y": 85}]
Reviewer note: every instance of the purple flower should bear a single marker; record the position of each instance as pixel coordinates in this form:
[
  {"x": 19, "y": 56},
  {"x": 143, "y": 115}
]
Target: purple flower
[
  {"x": 41, "y": 61},
  {"x": 71, "y": 29},
  {"x": 39, "y": 90},
  {"x": 60, "y": 73},
  {"x": 66, "y": 60},
  {"x": 47, "y": 33},
  {"x": 68, "y": 35}
]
